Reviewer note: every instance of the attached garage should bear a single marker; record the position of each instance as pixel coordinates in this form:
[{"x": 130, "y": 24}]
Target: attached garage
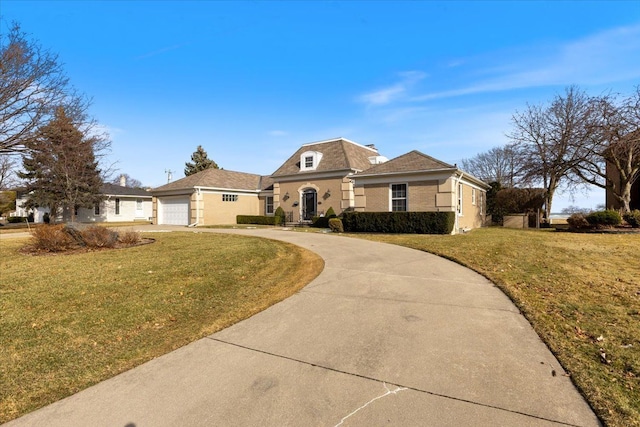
[{"x": 173, "y": 210}]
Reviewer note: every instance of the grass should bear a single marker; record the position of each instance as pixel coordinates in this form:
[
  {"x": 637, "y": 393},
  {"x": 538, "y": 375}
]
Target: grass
[
  {"x": 581, "y": 293},
  {"x": 70, "y": 321}
]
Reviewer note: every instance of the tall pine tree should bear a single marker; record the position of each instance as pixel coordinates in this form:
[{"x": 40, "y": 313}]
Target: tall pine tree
[
  {"x": 60, "y": 169},
  {"x": 199, "y": 162}
]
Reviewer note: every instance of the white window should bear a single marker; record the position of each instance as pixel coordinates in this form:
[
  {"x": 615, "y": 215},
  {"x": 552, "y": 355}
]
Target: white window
[
  {"x": 481, "y": 203},
  {"x": 309, "y": 160},
  {"x": 139, "y": 204},
  {"x": 229, "y": 197},
  {"x": 459, "y": 208},
  {"x": 398, "y": 197},
  {"x": 268, "y": 206},
  {"x": 473, "y": 196}
]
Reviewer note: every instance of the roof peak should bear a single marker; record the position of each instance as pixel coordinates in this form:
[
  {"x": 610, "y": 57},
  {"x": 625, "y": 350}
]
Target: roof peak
[{"x": 338, "y": 139}]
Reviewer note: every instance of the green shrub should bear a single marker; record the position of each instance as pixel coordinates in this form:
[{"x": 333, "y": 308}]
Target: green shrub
[
  {"x": 633, "y": 218},
  {"x": 16, "y": 219},
  {"x": 281, "y": 215},
  {"x": 577, "y": 221},
  {"x": 330, "y": 213},
  {"x": 399, "y": 222},
  {"x": 606, "y": 218},
  {"x": 52, "y": 238},
  {"x": 335, "y": 224},
  {"x": 258, "y": 219},
  {"x": 99, "y": 237}
]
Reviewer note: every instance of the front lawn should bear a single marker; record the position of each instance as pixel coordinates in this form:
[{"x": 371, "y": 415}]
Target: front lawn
[
  {"x": 70, "y": 321},
  {"x": 581, "y": 293}
]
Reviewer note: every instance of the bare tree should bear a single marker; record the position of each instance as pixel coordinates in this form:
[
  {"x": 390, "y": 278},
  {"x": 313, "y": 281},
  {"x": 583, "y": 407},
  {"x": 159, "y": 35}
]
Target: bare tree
[
  {"x": 61, "y": 168},
  {"x": 553, "y": 140},
  {"x": 7, "y": 171},
  {"x": 614, "y": 160},
  {"x": 32, "y": 84},
  {"x": 129, "y": 181},
  {"x": 499, "y": 164}
]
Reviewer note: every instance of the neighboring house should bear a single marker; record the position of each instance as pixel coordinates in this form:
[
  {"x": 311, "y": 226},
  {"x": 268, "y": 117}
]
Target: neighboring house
[
  {"x": 336, "y": 173},
  {"x": 120, "y": 204}
]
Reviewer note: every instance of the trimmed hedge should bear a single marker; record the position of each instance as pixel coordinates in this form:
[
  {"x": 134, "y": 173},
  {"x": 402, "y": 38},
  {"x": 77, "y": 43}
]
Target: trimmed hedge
[
  {"x": 258, "y": 219},
  {"x": 604, "y": 218},
  {"x": 335, "y": 224},
  {"x": 323, "y": 221},
  {"x": 399, "y": 222},
  {"x": 633, "y": 218}
]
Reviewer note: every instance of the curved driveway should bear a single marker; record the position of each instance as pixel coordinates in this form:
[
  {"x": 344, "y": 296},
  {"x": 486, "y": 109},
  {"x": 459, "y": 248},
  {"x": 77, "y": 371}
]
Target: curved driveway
[{"x": 385, "y": 335}]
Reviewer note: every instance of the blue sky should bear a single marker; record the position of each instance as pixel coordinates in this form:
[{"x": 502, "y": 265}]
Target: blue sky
[{"x": 252, "y": 81}]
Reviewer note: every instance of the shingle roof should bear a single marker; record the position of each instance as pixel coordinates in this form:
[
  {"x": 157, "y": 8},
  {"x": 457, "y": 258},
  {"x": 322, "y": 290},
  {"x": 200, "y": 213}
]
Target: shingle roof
[
  {"x": 413, "y": 161},
  {"x": 118, "y": 190},
  {"x": 215, "y": 178},
  {"x": 337, "y": 154}
]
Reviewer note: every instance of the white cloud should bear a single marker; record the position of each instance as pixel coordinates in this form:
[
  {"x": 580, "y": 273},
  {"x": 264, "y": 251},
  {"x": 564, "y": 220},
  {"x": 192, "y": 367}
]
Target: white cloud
[
  {"x": 604, "y": 58},
  {"x": 389, "y": 94}
]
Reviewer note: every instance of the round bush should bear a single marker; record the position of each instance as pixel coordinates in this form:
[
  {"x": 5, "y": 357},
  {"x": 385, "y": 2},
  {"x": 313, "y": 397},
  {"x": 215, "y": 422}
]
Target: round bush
[
  {"x": 577, "y": 221},
  {"x": 633, "y": 218}
]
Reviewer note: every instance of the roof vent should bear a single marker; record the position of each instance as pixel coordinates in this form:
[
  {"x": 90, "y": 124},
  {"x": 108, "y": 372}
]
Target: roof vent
[{"x": 372, "y": 146}]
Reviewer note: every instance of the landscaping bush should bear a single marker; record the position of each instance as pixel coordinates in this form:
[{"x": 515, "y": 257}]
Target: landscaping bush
[
  {"x": 258, "y": 219},
  {"x": 281, "y": 215},
  {"x": 633, "y": 218},
  {"x": 577, "y": 221},
  {"x": 399, "y": 222},
  {"x": 16, "y": 219},
  {"x": 52, "y": 238},
  {"x": 129, "y": 237},
  {"x": 335, "y": 224},
  {"x": 99, "y": 237},
  {"x": 606, "y": 218},
  {"x": 323, "y": 221}
]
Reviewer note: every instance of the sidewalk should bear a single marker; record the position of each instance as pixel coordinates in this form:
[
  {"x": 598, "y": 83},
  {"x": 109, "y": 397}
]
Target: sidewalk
[{"x": 384, "y": 336}]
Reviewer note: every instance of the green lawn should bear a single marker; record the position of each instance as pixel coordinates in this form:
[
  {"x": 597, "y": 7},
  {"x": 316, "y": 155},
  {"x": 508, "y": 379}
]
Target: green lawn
[
  {"x": 70, "y": 321},
  {"x": 581, "y": 293}
]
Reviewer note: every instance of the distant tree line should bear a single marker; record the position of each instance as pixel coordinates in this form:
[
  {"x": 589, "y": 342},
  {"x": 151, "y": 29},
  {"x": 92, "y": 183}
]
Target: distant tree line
[{"x": 567, "y": 143}]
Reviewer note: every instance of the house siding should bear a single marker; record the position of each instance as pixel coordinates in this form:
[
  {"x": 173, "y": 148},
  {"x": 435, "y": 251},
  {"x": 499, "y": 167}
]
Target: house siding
[
  {"x": 214, "y": 211},
  {"x": 472, "y": 215}
]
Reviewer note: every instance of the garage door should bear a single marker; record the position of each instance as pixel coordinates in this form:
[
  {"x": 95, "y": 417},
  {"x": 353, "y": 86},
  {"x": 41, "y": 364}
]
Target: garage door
[{"x": 175, "y": 210}]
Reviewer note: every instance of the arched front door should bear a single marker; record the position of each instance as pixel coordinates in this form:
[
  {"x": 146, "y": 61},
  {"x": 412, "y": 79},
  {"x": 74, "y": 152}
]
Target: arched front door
[{"x": 309, "y": 204}]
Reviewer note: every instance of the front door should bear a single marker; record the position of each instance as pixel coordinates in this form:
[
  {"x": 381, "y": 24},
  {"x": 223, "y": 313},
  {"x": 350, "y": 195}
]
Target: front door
[{"x": 309, "y": 204}]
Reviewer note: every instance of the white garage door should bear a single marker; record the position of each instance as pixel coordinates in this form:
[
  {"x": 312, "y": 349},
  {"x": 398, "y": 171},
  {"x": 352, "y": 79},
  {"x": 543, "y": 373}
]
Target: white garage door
[{"x": 175, "y": 210}]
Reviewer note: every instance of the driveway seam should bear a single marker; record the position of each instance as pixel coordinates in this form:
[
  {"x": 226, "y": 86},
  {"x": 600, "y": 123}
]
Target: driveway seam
[{"x": 353, "y": 374}]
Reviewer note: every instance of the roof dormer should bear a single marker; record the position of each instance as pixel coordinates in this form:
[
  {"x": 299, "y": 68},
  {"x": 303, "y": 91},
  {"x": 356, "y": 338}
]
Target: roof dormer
[{"x": 309, "y": 160}]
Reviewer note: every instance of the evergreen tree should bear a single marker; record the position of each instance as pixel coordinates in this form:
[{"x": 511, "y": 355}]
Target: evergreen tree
[
  {"x": 60, "y": 167},
  {"x": 200, "y": 162}
]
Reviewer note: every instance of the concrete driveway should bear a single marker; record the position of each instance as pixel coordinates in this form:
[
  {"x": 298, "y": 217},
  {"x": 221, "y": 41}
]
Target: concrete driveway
[{"x": 384, "y": 336}]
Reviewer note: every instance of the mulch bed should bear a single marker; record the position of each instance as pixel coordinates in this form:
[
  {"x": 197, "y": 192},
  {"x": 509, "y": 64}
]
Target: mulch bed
[{"x": 30, "y": 250}]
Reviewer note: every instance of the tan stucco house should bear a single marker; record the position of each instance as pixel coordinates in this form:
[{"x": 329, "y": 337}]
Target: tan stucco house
[{"x": 336, "y": 173}]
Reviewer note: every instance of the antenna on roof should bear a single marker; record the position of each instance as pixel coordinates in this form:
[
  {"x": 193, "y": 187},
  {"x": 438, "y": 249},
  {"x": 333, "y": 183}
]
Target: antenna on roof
[{"x": 169, "y": 173}]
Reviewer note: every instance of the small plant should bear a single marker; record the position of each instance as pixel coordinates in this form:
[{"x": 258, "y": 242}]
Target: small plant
[
  {"x": 335, "y": 224},
  {"x": 330, "y": 213},
  {"x": 577, "y": 221},
  {"x": 633, "y": 218},
  {"x": 99, "y": 237},
  {"x": 129, "y": 237},
  {"x": 52, "y": 238},
  {"x": 279, "y": 213},
  {"x": 607, "y": 218}
]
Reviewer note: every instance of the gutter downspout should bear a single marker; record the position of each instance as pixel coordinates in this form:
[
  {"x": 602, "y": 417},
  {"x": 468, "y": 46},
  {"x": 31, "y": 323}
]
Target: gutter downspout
[
  {"x": 456, "y": 229},
  {"x": 197, "y": 208}
]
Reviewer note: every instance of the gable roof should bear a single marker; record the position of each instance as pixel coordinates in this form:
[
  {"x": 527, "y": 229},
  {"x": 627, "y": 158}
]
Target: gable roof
[
  {"x": 118, "y": 190},
  {"x": 413, "y": 161},
  {"x": 337, "y": 155},
  {"x": 215, "y": 178}
]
